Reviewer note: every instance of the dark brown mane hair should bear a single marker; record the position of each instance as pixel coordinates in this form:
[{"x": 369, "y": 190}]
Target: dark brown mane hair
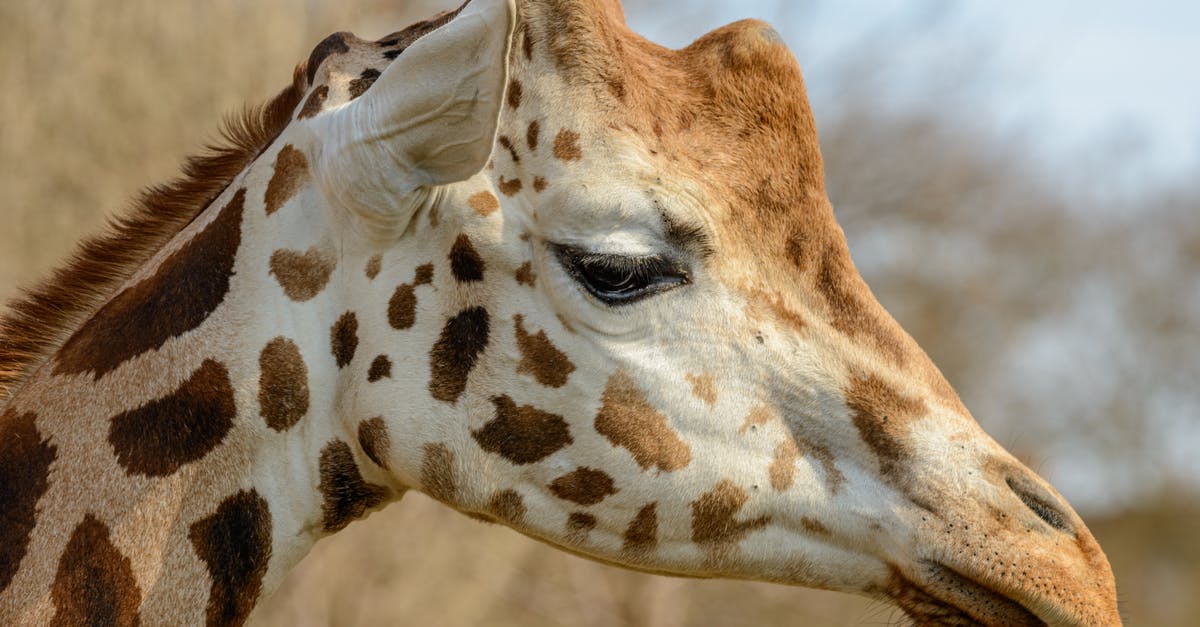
[{"x": 38, "y": 321}]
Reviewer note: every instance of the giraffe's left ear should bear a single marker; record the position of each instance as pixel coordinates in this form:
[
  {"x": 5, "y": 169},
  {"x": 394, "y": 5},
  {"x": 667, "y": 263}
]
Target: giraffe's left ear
[{"x": 430, "y": 119}]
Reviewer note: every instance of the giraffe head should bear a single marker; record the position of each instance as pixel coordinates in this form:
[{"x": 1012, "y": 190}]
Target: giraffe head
[
  {"x": 557, "y": 277},
  {"x": 627, "y": 322}
]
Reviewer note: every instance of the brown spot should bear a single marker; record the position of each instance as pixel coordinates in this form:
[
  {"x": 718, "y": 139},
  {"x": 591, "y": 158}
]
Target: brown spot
[
  {"x": 423, "y": 274},
  {"x": 484, "y": 203},
  {"x": 346, "y": 495},
  {"x": 531, "y": 135},
  {"x": 813, "y": 526},
  {"x": 757, "y": 417},
  {"x": 833, "y": 476},
  {"x": 508, "y": 506},
  {"x": 628, "y": 420},
  {"x": 314, "y": 102},
  {"x": 343, "y": 338},
  {"x": 579, "y": 525},
  {"x": 437, "y": 473},
  {"x": 566, "y": 146},
  {"x": 302, "y": 275},
  {"x": 853, "y": 310},
  {"x": 182, "y": 427},
  {"x": 465, "y": 262},
  {"x": 331, "y": 45},
  {"x": 703, "y": 388},
  {"x": 374, "y": 439},
  {"x": 291, "y": 173},
  {"x": 525, "y": 275},
  {"x": 642, "y": 533},
  {"x": 507, "y": 144},
  {"x": 773, "y": 303},
  {"x": 783, "y": 467},
  {"x": 585, "y": 486},
  {"x": 94, "y": 584},
  {"x": 25, "y": 458},
  {"x": 882, "y": 417},
  {"x": 282, "y": 384},
  {"x": 522, "y": 434},
  {"x": 714, "y": 514},
  {"x": 514, "y": 93},
  {"x": 540, "y": 358},
  {"x": 452, "y": 358},
  {"x": 508, "y": 188},
  {"x": 360, "y": 85},
  {"x": 402, "y": 308},
  {"x": 187, "y": 288},
  {"x": 374, "y": 265},
  {"x": 235, "y": 545},
  {"x": 381, "y": 367},
  {"x": 539, "y": 184}
]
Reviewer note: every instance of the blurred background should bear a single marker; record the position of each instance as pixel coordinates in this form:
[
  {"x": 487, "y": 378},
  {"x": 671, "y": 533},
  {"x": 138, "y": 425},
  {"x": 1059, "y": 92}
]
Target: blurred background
[{"x": 1019, "y": 182}]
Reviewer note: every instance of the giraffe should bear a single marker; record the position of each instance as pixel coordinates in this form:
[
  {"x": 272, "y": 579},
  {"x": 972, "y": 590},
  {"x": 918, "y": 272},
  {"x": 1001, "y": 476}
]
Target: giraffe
[{"x": 546, "y": 272}]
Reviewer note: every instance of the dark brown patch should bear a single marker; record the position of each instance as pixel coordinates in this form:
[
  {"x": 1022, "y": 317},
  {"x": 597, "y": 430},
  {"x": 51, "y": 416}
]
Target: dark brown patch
[
  {"x": 539, "y": 184},
  {"x": 282, "y": 384},
  {"x": 405, "y": 38},
  {"x": 374, "y": 439},
  {"x": 882, "y": 417},
  {"x": 531, "y": 135},
  {"x": 465, "y": 262},
  {"x": 540, "y": 358},
  {"x": 333, "y": 44},
  {"x": 525, "y": 274},
  {"x": 853, "y": 311},
  {"x": 303, "y": 275},
  {"x": 508, "y": 506},
  {"x": 514, "y": 93},
  {"x": 714, "y": 514},
  {"x": 522, "y": 434},
  {"x": 291, "y": 173},
  {"x": 509, "y": 188},
  {"x": 628, "y": 420},
  {"x": 25, "y": 459},
  {"x": 585, "y": 486},
  {"x": 235, "y": 545},
  {"x": 527, "y": 42},
  {"x": 484, "y": 203},
  {"x": 566, "y": 146},
  {"x": 347, "y": 496},
  {"x": 343, "y": 339},
  {"x": 833, "y": 476},
  {"x": 423, "y": 274},
  {"x": 507, "y": 144},
  {"x": 759, "y": 416},
  {"x": 187, "y": 288},
  {"x": 314, "y": 102},
  {"x": 360, "y": 85},
  {"x": 381, "y": 367},
  {"x": 437, "y": 473},
  {"x": 374, "y": 265},
  {"x": 32, "y": 325},
  {"x": 94, "y": 584},
  {"x": 402, "y": 307},
  {"x": 452, "y": 358},
  {"x": 181, "y": 427},
  {"x": 642, "y": 533},
  {"x": 579, "y": 525},
  {"x": 703, "y": 387}
]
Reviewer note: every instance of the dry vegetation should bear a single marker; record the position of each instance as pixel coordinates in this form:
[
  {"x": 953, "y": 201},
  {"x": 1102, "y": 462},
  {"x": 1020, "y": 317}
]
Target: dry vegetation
[{"x": 979, "y": 256}]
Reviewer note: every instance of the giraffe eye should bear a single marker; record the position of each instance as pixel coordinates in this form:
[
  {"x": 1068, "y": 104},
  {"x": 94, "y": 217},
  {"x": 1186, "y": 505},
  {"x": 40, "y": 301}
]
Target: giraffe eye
[{"x": 621, "y": 279}]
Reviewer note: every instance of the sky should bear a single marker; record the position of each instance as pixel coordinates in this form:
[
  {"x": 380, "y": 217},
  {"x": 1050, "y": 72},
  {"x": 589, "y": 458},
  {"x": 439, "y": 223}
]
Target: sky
[{"x": 1069, "y": 75}]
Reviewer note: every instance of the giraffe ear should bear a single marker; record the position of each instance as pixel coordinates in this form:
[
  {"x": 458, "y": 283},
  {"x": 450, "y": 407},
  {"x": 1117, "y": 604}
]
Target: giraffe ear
[{"x": 430, "y": 119}]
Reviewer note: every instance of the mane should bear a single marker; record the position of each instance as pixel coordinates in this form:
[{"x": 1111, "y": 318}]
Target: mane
[{"x": 39, "y": 320}]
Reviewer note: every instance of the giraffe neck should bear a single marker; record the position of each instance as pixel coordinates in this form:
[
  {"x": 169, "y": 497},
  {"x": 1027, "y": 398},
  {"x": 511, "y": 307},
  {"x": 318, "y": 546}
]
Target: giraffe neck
[{"x": 196, "y": 432}]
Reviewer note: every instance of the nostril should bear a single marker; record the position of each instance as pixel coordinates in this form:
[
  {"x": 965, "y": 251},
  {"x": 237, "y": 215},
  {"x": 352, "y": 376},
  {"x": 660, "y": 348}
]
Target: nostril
[{"x": 1040, "y": 503}]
